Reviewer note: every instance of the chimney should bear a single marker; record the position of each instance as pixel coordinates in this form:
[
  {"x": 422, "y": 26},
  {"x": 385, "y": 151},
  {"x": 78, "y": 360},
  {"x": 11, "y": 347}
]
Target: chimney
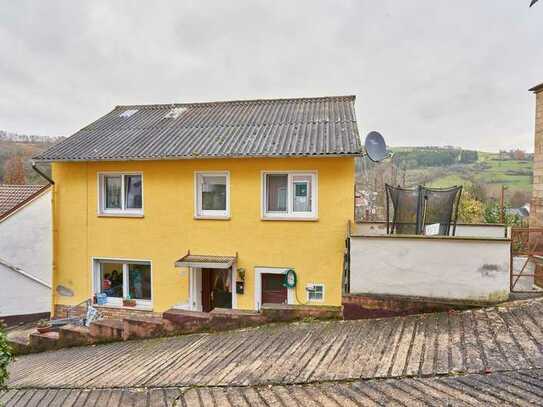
[{"x": 536, "y": 209}]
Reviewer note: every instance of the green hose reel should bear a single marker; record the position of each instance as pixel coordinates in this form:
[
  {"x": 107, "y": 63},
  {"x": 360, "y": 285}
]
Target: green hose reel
[{"x": 290, "y": 279}]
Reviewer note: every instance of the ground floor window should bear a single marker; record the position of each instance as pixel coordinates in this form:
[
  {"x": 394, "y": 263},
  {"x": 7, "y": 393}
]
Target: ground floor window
[
  {"x": 315, "y": 292},
  {"x": 120, "y": 279}
]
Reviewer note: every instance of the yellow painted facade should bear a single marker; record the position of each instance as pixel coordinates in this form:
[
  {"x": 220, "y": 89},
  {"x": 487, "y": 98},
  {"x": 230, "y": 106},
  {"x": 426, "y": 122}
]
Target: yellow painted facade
[{"x": 314, "y": 249}]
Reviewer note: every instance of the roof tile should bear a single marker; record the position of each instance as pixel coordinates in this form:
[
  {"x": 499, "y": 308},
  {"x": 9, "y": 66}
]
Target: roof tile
[{"x": 13, "y": 196}]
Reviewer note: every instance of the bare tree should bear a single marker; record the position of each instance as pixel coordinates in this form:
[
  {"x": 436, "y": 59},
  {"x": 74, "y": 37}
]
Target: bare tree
[{"x": 14, "y": 172}]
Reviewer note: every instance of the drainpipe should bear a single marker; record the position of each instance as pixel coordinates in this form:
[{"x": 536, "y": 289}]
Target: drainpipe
[{"x": 40, "y": 172}]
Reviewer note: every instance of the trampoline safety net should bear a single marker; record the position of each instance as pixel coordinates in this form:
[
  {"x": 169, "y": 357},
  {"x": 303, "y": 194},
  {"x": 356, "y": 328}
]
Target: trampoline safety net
[{"x": 411, "y": 210}]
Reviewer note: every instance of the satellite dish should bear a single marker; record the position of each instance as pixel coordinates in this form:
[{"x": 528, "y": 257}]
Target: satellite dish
[{"x": 376, "y": 148}]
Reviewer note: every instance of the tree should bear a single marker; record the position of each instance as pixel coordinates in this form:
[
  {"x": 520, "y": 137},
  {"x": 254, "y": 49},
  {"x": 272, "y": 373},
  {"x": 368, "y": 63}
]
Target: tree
[
  {"x": 6, "y": 356},
  {"x": 14, "y": 171},
  {"x": 492, "y": 215},
  {"x": 518, "y": 154}
]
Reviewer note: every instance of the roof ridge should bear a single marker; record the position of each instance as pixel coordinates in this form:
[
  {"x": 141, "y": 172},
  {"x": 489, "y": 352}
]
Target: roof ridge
[{"x": 239, "y": 101}]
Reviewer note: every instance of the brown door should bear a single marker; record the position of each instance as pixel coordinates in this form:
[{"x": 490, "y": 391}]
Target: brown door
[
  {"x": 273, "y": 290},
  {"x": 216, "y": 289},
  {"x": 206, "y": 290}
]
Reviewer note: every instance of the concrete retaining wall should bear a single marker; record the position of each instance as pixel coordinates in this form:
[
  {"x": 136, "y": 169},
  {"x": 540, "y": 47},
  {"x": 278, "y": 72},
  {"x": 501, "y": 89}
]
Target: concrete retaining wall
[{"x": 453, "y": 268}]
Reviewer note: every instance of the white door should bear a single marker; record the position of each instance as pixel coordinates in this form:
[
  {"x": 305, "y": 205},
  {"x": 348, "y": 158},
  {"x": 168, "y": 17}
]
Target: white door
[{"x": 196, "y": 288}]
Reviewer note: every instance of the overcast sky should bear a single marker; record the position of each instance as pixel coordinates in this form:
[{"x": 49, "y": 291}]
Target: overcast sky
[{"x": 425, "y": 72}]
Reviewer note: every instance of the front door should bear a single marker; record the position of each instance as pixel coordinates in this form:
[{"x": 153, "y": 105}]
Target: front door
[
  {"x": 216, "y": 289},
  {"x": 273, "y": 289}
]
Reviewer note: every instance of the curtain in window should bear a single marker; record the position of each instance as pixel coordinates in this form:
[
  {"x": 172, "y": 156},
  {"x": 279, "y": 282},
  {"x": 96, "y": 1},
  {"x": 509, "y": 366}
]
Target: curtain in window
[
  {"x": 139, "y": 281},
  {"x": 113, "y": 192},
  {"x": 132, "y": 185},
  {"x": 276, "y": 189},
  {"x": 213, "y": 189}
]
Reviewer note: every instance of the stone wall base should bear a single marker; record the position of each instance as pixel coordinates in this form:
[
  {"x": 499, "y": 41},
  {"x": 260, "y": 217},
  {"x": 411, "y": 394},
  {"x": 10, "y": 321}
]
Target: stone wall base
[
  {"x": 286, "y": 313},
  {"x": 364, "y": 306},
  {"x": 108, "y": 312}
]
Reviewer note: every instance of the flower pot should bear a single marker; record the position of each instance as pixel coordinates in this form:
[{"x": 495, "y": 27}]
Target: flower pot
[
  {"x": 129, "y": 303},
  {"x": 44, "y": 329}
]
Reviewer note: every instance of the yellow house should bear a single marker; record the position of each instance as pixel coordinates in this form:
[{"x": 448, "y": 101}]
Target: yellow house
[{"x": 196, "y": 206}]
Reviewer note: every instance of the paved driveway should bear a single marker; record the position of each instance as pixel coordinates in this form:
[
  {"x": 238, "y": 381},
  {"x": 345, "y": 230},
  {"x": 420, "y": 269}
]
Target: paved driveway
[{"x": 397, "y": 358}]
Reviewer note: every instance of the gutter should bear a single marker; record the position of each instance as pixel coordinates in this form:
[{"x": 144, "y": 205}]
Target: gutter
[
  {"x": 42, "y": 174},
  {"x": 25, "y": 274}
]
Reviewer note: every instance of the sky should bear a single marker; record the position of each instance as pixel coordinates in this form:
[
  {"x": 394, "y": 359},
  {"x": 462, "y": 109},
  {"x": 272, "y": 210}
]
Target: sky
[{"x": 425, "y": 72}]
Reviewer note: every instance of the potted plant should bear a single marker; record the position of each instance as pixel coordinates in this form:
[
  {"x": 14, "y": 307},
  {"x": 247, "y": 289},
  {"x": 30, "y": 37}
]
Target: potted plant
[
  {"x": 127, "y": 302},
  {"x": 43, "y": 326}
]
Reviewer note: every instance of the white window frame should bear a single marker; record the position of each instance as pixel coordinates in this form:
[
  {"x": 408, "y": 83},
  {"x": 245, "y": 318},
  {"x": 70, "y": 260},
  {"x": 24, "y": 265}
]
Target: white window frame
[
  {"x": 123, "y": 211},
  {"x": 290, "y": 214},
  {"x": 114, "y": 301},
  {"x": 200, "y": 213},
  {"x": 313, "y": 300}
]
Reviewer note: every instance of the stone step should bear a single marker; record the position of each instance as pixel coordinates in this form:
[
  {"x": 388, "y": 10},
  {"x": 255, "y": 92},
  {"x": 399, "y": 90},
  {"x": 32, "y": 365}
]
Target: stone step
[
  {"x": 226, "y": 318},
  {"x": 181, "y": 316},
  {"x": 183, "y": 321},
  {"x": 19, "y": 345},
  {"x": 43, "y": 342},
  {"x": 74, "y": 335},
  {"x": 107, "y": 330},
  {"x": 140, "y": 327}
]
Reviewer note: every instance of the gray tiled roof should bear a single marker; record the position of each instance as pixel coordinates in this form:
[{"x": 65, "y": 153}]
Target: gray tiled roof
[
  {"x": 14, "y": 196},
  {"x": 253, "y": 128}
]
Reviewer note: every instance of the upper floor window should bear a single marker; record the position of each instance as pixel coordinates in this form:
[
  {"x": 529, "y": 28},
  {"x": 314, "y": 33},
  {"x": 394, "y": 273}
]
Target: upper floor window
[
  {"x": 290, "y": 195},
  {"x": 212, "y": 194},
  {"x": 121, "y": 194}
]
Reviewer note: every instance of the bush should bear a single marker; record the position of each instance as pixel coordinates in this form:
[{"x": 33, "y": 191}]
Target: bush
[
  {"x": 470, "y": 209},
  {"x": 492, "y": 215},
  {"x": 6, "y": 357}
]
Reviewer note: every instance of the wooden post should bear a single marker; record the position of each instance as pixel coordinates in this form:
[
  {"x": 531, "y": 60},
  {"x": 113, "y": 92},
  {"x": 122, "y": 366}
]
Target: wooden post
[{"x": 502, "y": 202}]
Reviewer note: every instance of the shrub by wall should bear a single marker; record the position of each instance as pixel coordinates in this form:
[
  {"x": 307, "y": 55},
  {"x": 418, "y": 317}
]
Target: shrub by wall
[{"x": 6, "y": 357}]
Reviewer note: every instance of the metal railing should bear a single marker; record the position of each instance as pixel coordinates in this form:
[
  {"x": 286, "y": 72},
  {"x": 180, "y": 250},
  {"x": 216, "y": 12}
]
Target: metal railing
[{"x": 527, "y": 246}]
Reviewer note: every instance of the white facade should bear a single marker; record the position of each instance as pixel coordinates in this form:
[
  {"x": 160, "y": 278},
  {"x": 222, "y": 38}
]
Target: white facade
[
  {"x": 26, "y": 258},
  {"x": 455, "y": 268}
]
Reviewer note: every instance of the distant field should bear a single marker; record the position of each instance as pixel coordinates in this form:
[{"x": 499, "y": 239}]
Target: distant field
[{"x": 489, "y": 170}]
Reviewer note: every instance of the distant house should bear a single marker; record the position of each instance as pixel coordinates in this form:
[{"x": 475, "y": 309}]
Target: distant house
[
  {"x": 205, "y": 205},
  {"x": 26, "y": 252}
]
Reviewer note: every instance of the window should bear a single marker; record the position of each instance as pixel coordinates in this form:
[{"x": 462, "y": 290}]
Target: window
[
  {"x": 121, "y": 194},
  {"x": 123, "y": 280},
  {"x": 290, "y": 195},
  {"x": 212, "y": 195},
  {"x": 315, "y": 292}
]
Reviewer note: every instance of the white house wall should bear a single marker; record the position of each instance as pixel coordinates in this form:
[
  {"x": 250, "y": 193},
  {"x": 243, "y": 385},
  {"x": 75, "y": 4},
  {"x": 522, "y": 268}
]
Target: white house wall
[
  {"x": 26, "y": 242},
  {"x": 448, "y": 268},
  {"x": 20, "y": 295}
]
